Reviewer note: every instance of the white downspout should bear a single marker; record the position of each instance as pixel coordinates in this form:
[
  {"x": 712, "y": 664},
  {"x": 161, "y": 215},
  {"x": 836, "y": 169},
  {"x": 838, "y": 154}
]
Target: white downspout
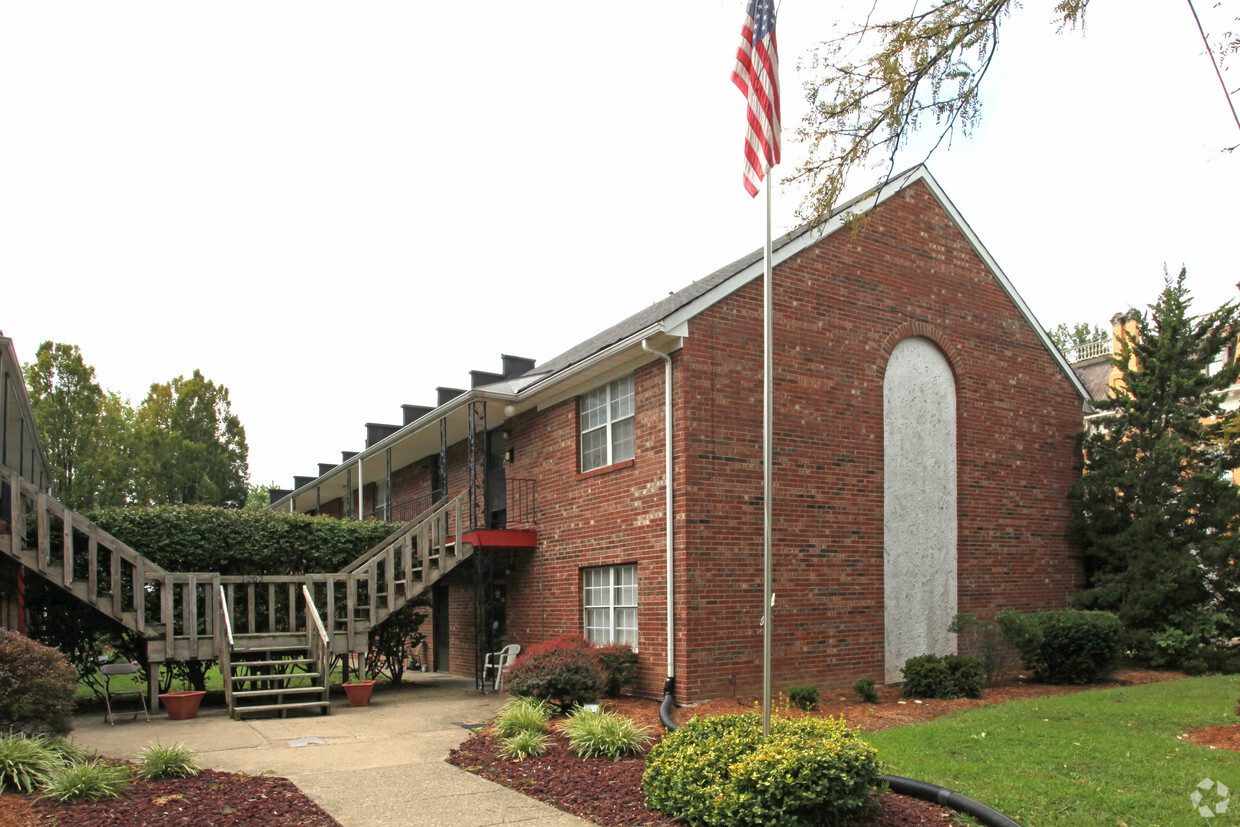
[{"x": 667, "y": 420}]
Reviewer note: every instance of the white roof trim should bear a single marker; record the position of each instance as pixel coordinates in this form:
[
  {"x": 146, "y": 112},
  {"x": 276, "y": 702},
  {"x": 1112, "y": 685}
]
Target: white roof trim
[{"x": 837, "y": 221}]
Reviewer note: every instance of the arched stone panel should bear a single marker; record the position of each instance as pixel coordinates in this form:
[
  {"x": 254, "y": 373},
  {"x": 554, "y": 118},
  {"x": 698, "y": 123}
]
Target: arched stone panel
[{"x": 919, "y": 504}]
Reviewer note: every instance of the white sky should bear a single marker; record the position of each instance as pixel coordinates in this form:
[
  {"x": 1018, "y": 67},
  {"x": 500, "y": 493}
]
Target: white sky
[{"x": 333, "y": 208}]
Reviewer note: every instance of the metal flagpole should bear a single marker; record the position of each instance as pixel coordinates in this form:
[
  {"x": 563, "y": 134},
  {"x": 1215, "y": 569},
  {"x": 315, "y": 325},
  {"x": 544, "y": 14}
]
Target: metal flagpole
[
  {"x": 757, "y": 76},
  {"x": 768, "y": 596}
]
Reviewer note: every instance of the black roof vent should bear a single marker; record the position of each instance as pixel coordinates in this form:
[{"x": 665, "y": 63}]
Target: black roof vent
[
  {"x": 446, "y": 395},
  {"x": 278, "y": 494},
  {"x": 376, "y": 433},
  {"x": 516, "y": 366},
  {"x": 478, "y": 378},
  {"x": 301, "y": 482},
  {"x": 345, "y": 456},
  {"x": 326, "y": 467},
  {"x": 415, "y": 412}
]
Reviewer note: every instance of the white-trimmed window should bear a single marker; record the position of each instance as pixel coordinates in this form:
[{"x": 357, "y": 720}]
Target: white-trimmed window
[
  {"x": 607, "y": 425},
  {"x": 611, "y": 604}
]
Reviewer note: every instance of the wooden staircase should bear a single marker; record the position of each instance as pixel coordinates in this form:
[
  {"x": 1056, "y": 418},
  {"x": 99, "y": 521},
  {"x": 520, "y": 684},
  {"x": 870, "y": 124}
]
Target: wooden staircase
[
  {"x": 274, "y": 637},
  {"x": 276, "y": 674}
]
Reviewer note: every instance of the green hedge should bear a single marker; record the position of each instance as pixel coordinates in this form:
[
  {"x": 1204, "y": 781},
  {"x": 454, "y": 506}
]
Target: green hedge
[
  {"x": 233, "y": 541},
  {"x": 1065, "y": 646}
]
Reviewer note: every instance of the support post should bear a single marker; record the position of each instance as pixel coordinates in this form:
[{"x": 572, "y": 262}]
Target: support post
[{"x": 152, "y": 684}]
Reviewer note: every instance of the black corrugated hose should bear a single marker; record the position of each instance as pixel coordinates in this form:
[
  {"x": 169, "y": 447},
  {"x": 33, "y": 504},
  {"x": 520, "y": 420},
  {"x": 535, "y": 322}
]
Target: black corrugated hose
[{"x": 902, "y": 786}]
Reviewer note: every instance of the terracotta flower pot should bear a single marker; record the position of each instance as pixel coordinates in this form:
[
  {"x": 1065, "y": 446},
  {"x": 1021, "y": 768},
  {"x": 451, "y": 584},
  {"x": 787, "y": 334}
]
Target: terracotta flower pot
[
  {"x": 181, "y": 705},
  {"x": 359, "y": 693}
]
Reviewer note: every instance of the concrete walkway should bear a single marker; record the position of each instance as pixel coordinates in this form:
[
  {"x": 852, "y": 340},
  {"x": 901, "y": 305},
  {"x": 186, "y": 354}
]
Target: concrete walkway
[{"x": 376, "y": 765}]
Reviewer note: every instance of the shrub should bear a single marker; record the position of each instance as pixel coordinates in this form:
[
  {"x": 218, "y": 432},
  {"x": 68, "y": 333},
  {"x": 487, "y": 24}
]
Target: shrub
[
  {"x": 25, "y": 763},
  {"x": 943, "y": 677},
  {"x": 1067, "y": 646},
  {"x": 984, "y": 639},
  {"x": 864, "y": 687},
  {"x": 237, "y": 541},
  {"x": 175, "y": 761},
  {"x": 619, "y": 664},
  {"x": 90, "y": 781},
  {"x": 392, "y": 643},
  {"x": 37, "y": 686},
  {"x": 562, "y": 671},
  {"x": 803, "y": 697},
  {"x": 522, "y": 715},
  {"x": 600, "y": 733},
  {"x": 719, "y": 771},
  {"x": 524, "y": 743},
  {"x": 69, "y": 751}
]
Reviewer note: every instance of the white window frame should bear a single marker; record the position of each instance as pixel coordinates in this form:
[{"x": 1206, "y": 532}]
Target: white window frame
[
  {"x": 603, "y": 413},
  {"x": 610, "y": 593}
]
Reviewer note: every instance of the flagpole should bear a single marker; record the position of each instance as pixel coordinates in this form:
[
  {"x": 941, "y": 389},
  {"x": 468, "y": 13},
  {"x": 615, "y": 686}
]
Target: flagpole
[
  {"x": 757, "y": 76},
  {"x": 767, "y": 416}
]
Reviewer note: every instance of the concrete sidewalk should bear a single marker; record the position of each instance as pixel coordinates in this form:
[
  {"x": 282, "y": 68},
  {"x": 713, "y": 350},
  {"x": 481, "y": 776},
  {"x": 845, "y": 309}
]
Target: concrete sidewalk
[{"x": 376, "y": 765}]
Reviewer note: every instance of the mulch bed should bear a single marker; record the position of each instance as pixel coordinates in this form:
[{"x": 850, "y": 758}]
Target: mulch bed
[
  {"x": 207, "y": 798},
  {"x": 605, "y": 792},
  {"x": 609, "y": 793}
]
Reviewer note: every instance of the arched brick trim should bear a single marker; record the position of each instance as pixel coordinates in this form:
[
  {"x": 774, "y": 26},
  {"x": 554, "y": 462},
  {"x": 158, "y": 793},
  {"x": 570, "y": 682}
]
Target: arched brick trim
[{"x": 955, "y": 358}]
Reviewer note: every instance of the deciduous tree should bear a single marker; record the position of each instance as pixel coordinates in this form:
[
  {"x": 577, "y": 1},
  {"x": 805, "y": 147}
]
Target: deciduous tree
[
  {"x": 68, "y": 406},
  {"x": 191, "y": 446},
  {"x": 870, "y": 89},
  {"x": 1066, "y": 337}
]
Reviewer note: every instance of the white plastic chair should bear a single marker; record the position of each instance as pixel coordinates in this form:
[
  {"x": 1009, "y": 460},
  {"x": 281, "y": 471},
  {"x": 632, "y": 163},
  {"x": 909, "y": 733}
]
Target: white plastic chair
[
  {"x": 110, "y": 669},
  {"x": 499, "y": 662}
]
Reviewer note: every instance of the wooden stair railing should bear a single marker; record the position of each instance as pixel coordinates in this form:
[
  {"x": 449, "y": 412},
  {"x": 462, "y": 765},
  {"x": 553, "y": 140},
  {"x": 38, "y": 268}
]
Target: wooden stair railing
[
  {"x": 274, "y": 668},
  {"x": 208, "y": 616},
  {"x": 403, "y": 566}
]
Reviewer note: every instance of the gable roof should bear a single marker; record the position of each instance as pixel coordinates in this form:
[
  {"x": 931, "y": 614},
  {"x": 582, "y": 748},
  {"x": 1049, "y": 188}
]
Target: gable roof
[
  {"x": 692, "y": 299},
  {"x": 22, "y": 447},
  {"x": 620, "y": 348}
]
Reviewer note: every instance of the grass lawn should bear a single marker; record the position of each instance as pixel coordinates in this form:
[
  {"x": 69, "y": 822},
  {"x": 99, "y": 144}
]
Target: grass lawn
[{"x": 1106, "y": 757}]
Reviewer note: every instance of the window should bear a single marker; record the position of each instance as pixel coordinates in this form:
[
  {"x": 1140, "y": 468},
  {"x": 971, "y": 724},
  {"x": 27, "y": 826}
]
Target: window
[
  {"x": 611, "y": 604},
  {"x": 607, "y": 425}
]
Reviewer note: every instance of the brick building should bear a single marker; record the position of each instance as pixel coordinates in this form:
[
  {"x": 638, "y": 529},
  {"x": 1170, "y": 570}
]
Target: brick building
[{"x": 923, "y": 453}]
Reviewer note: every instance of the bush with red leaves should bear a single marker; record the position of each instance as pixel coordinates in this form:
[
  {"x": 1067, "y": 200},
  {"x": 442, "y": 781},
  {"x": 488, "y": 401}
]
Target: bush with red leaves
[{"x": 563, "y": 671}]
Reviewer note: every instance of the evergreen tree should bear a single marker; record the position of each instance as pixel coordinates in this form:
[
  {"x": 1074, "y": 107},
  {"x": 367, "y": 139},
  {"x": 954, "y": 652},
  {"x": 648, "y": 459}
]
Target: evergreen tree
[{"x": 1158, "y": 514}]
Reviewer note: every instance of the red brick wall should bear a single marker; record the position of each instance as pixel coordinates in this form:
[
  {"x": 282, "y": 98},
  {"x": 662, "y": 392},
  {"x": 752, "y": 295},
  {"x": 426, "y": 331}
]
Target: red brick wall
[
  {"x": 841, "y": 306},
  {"x": 607, "y": 517}
]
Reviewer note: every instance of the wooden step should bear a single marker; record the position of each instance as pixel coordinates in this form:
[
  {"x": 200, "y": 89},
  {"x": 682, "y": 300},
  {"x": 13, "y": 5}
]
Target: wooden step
[
  {"x": 322, "y": 706},
  {"x": 245, "y": 647},
  {"x": 250, "y": 664},
  {"x": 284, "y": 690},
  {"x": 286, "y": 676}
]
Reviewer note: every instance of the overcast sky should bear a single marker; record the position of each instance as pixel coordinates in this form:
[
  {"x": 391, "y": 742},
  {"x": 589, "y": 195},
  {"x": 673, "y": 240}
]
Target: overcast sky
[{"x": 333, "y": 208}]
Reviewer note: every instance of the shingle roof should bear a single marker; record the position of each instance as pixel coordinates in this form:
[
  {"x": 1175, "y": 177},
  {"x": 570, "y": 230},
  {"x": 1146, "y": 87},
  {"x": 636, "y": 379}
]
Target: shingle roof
[
  {"x": 1096, "y": 377},
  {"x": 660, "y": 309}
]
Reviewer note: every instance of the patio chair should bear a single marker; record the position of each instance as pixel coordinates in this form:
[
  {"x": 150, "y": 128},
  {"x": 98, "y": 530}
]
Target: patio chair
[
  {"x": 499, "y": 662},
  {"x": 109, "y": 670}
]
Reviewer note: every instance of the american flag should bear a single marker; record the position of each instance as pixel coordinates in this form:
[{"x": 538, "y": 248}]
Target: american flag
[{"x": 757, "y": 76}]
